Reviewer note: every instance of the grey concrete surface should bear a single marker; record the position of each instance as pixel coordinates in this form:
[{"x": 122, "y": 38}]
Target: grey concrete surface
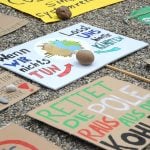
[{"x": 110, "y": 18}]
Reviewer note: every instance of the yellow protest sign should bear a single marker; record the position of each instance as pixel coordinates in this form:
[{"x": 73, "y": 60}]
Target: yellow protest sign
[{"x": 45, "y": 9}]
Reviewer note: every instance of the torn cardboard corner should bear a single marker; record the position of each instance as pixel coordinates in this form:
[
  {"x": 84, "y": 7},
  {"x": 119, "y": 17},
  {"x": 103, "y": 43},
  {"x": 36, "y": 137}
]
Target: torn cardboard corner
[
  {"x": 9, "y": 24},
  {"x": 25, "y": 140},
  {"x": 24, "y": 89}
]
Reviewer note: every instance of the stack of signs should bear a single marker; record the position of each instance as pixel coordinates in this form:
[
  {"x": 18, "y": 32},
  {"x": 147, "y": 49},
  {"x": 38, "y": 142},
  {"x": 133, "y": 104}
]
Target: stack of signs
[
  {"x": 50, "y": 60},
  {"x": 24, "y": 89},
  {"x": 109, "y": 113},
  {"x": 25, "y": 140}
]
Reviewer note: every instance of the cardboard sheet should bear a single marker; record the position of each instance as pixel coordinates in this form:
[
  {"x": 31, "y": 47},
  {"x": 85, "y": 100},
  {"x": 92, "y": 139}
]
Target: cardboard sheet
[
  {"x": 45, "y": 9},
  {"x": 24, "y": 89},
  {"x": 50, "y": 60},
  {"x": 109, "y": 113},
  {"x": 9, "y": 24},
  {"x": 14, "y": 137}
]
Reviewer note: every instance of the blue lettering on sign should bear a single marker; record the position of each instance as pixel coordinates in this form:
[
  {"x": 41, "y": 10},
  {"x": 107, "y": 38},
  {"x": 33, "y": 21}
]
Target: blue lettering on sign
[
  {"x": 89, "y": 33},
  {"x": 23, "y": 59},
  {"x": 14, "y": 63},
  {"x": 80, "y": 29}
]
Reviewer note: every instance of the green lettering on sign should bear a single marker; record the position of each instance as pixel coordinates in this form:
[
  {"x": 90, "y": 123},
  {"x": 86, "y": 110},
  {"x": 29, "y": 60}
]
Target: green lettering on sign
[
  {"x": 146, "y": 105},
  {"x": 46, "y": 114}
]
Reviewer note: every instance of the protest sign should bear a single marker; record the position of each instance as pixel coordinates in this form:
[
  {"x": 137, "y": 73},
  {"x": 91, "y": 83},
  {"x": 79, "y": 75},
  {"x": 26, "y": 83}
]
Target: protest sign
[
  {"x": 45, "y": 9},
  {"x": 9, "y": 24},
  {"x": 24, "y": 89},
  {"x": 13, "y": 137},
  {"x": 50, "y": 60},
  {"x": 109, "y": 113},
  {"x": 142, "y": 15}
]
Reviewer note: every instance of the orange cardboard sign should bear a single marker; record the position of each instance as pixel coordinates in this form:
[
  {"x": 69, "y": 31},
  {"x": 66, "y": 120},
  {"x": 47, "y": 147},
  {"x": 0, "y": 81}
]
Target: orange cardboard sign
[
  {"x": 9, "y": 24},
  {"x": 24, "y": 89},
  {"x": 109, "y": 113},
  {"x": 14, "y": 137}
]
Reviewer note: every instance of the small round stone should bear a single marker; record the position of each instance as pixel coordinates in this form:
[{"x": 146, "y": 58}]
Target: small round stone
[
  {"x": 11, "y": 88},
  {"x": 85, "y": 57},
  {"x": 4, "y": 100},
  {"x": 63, "y": 12}
]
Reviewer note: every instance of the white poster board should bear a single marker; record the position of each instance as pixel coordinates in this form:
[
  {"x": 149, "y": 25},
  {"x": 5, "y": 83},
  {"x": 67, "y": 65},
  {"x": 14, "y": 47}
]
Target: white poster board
[{"x": 54, "y": 70}]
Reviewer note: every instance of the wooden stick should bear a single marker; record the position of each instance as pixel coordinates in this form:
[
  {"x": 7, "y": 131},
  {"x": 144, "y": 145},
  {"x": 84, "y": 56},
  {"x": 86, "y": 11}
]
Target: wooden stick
[{"x": 128, "y": 73}]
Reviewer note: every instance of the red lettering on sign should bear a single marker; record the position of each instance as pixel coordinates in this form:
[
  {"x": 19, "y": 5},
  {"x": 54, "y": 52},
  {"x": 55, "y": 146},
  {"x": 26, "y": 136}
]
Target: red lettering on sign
[
  {"x": 98, "y": 129},
  {"x": 44, "y": 71}
]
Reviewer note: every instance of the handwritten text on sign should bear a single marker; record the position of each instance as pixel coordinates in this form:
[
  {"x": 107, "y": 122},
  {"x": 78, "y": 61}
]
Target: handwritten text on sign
[
  {"x": 25, "y": 140},
  {"x": 46, "y": 9},
  {"x": 108, "y": 112},
  {"x": 50, "y": 60}
]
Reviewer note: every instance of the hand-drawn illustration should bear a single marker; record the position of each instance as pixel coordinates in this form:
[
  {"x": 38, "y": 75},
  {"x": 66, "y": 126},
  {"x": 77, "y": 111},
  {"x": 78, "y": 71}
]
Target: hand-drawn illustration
[
  {"x": 16, "y": 145},
  {"x": 14, "y": 137},
  {"x": 61, "y": 47},
  {"x": 25, "y": 86}
]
